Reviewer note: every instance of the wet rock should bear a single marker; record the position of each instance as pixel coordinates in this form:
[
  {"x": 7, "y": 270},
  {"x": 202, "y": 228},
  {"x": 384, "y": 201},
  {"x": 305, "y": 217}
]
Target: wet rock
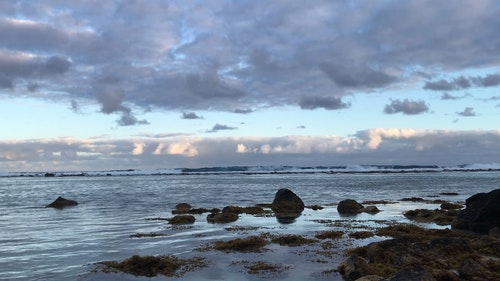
[
  {"x": 60, "y": 203},
  {"x": 349, "y": 207},
  {"x": 371, "y": 278},
  {"x": 482, "y": 213},
  {"x": 287, "y": 205},
  {"x": 477, "y": 269},
  {"x": 440, "y": 217},
  {"x": 370, "y": 210},
  {"x": 182, "y": 219},
  {"x": 181, "y": 208},
  {"x": 416, "y": 273},
  {"x": 451, "y": 206},
  {"x": 222, "y": 217},
  {"x": 353, "y": 268}
]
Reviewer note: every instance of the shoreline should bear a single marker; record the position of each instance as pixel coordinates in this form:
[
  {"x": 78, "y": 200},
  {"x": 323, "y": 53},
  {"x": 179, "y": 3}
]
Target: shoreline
[{"x": 255, "y": 252}]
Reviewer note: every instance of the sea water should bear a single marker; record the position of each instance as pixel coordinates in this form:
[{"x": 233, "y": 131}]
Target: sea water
[{"x": 38, "y": 243}]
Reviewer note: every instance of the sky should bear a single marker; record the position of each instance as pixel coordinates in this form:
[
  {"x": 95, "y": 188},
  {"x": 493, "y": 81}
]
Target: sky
[{"x": 130, "y": 84}]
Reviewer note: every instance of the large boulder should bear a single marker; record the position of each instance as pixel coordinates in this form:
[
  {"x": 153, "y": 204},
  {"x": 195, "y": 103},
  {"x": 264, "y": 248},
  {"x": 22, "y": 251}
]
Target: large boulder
[
  {"x": 482, "y": 213},
  {"x": 287, "y": 205},
  {"x": 60, "y": 203}
]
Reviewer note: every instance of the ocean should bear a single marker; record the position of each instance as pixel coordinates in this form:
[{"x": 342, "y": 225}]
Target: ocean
[{"x": 38, "y": 243}]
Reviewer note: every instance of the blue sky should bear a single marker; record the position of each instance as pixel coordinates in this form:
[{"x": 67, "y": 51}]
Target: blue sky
[{"x": 157, "y": 84}]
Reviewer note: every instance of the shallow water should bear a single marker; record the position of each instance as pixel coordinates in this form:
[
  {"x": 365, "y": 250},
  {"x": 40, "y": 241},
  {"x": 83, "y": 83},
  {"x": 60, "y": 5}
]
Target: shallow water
[{"x": 39, "y": 243}]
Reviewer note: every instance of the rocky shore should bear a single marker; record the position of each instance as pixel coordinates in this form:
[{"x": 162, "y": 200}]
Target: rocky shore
[{"x": 466, "y": 247}]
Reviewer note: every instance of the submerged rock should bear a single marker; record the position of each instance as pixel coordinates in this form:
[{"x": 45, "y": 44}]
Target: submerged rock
[
  {"x": 60, "y": 203},
  {"x": 287, "y": 205},
  {"x": 182, "y": 219},
  {"x": 482, "y": 213},
  {"x": 222, "y": 217}
]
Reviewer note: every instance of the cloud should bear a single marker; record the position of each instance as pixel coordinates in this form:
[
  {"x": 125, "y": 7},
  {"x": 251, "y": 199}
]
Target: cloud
[
  {"x": 348, "y": 75},
  {"x": 408, "y": 107},
  {"x": 219, "y": 127},
  {"x": 462, "y": 82},
  {"x": 468, "y": 112},
  {"x": 190, "y": 116},
  {"x": 329, "y": 103},
  {"x": 188, "y": 56},
  {"x": 447, "y": 96},
  {"x": 374, "y": 146}
]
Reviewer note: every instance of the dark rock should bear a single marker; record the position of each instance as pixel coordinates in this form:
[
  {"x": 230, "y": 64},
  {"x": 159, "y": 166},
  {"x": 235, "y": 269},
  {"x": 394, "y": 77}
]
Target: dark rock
[
  {"x": 222, "y": 217},
  {"x": 49, "y": 175},
  {"x": 349, "y": 207},
  {"x": 60, "y": 203},
  {"x": 441, "y": 217},
  {"x": 353, "y": 268},
  {"x": 371, "y": 278},
  {"x": 417, "y": 273},
  {"x": 370, "y": 210},
  {"x": 182, "y": 219},
  {"x": 287, "y": 205},
  {"x": 181, "y": 208},
  {"x": 476, "y": 269},
  {"x": 482, "y": 213},
  {"x": 451, "y": 206}
]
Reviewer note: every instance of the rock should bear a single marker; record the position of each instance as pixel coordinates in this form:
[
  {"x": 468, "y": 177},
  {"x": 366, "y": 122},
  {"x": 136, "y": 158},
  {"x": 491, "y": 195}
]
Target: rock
[
  {"x": 476, "y": 269},
  {"x": 222, "y": 217},
  {"x": 416, "y": 273},
  {"x": 182, "y": 219},
  {"x": 349, "y": 207},
  {"x": 353, "y": 268},
  {"x": 482, "y": 213},
  {"x": 441, "y": 217},
  {"x": 370, "y": 210},
  {"x": 494, "y": 232},
  {"x": 451, "y": 206},
  {"x": 60, "y": 203},
  {"x": 181, "y": 208},
  {"x": 287, "y": 205},
  {"x": 370, "y": 278}
]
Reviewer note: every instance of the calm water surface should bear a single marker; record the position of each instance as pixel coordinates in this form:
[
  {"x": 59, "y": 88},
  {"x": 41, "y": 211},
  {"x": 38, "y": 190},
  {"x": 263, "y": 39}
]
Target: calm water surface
[{"x": 38, "y": 243}]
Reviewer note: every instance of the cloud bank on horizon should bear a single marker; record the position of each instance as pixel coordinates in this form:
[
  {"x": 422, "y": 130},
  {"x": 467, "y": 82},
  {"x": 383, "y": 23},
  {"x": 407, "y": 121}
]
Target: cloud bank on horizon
[{"x": 428, "y": 69}]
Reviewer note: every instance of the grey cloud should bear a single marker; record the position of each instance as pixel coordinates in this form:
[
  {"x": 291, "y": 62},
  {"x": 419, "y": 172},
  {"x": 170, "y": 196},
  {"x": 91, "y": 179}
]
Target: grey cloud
[
  {"x": 468, "y": 112},
  {"x": 462, "y": 82},
  {"x": 447, "y": 96},
  {"x": 329, "y": 103},
  {"x": 18, "y": 66},
  {"x": 209, "y": 85},
  {"x": 57, "y": 65},
  {"x": 75, "y": 107},
  {"x": 187, "y": 56},
  {"x": 408, "y": 107},
  {"x": 491, "y": 80},
  {"x": 111, "y": 100},
  {"x": 345, "y": 75},
  {"x": 191, "y": 115},
  {"x": 218, "y": 127},
  {"x": 5, "y": 82},
  {"x": 242, "y": 111}
]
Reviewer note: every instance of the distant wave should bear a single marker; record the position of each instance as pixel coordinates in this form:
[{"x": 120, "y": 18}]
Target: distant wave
[{"x": 266, "y": 170}]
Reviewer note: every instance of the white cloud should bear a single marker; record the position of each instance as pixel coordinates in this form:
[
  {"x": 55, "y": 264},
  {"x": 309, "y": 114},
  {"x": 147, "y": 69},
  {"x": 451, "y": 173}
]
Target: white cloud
[{"x": 185, "y": 149}]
